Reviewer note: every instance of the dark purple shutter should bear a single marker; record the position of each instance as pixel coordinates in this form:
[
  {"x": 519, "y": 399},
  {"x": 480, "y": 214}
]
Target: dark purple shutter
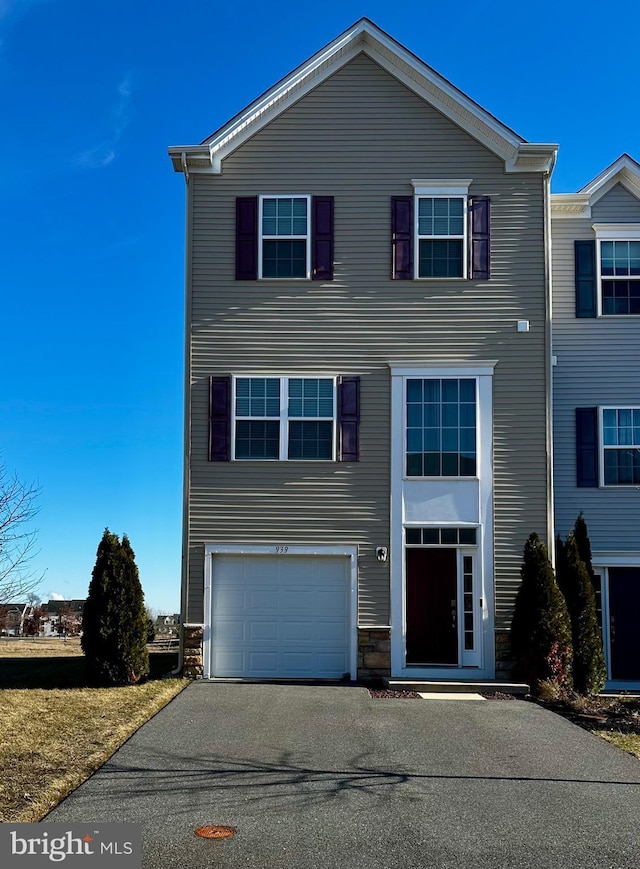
[
  {"x": 246, "y": 238},
  {"x": 585, "y": 275},
  {"x": 219, "y": 419},
  {"x": 480, "y": 230},
  {"x": 349, "y": 418},
  {"x": 322, "y": 238},
  {"x": 402, "y": 238},
  {"x": 587, "y": 472}
]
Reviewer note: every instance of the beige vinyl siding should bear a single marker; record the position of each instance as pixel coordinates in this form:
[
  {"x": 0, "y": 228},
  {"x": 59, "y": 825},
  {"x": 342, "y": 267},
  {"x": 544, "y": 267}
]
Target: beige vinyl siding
[
  {"x": 360, "y": 137},
  {"x": 597, "y": 364}
]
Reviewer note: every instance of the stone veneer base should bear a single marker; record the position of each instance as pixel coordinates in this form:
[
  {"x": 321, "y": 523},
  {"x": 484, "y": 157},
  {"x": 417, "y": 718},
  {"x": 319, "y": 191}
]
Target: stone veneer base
[
  {"x": 192, "y": 650},
  {"x": 374, "y": 652}
]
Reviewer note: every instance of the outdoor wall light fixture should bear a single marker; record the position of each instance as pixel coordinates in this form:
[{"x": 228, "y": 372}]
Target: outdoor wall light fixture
[{"x": 381, "y": 553}]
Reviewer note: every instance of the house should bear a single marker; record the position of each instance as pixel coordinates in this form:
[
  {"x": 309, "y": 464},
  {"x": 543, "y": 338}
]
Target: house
[
  {"x": 368, "y": 386},
  {"x": 61, "y": 618},
  {"x": 168, "y": 625},
  {"x": 12, "y": 616},
  {"x": 596, "y": 394}
]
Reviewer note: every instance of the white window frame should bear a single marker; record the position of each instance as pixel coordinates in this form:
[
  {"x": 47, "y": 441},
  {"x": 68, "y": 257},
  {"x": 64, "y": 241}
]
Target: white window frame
[
  {"x": 602, "y": 447},
  {"x": 613, "y": 232},
  {"x": 425, "y": 188},
  {"x": 283, "y": 419},
  {"x": 438, "y": 376},
  {"x": 262, "y": 237}
]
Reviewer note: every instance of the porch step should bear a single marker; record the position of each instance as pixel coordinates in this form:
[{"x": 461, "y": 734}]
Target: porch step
[{"x": 427, "y": 686}]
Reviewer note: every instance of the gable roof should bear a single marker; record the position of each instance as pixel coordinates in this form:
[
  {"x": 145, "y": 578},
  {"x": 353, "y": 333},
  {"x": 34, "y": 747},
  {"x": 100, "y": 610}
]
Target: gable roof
[
  {"x": 54, "y": 606},
  {"x": 365, "y": 37},
  {"x": 625, "y": 171}
]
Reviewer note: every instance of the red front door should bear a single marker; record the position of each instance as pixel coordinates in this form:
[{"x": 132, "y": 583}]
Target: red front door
[{"x": 432, "y": 606}]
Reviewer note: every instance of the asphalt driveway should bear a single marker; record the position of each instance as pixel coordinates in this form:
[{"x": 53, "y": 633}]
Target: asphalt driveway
[{"x": 328, "y": 777}]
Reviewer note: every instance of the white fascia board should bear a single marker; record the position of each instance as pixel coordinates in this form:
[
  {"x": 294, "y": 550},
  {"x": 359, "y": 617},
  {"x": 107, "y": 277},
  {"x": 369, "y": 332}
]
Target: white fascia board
[
  {"x": 533, "y": 157},
  {"x": 625, "y": 170},
  {"x": 399, "y": 62},
  {"x": 574, "y": 205},
  {"x": 626, "y": 180},
  {"x": 190, "y": 158}
]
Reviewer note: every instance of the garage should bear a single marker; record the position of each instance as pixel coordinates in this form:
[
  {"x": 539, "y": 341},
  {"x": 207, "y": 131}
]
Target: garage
[{"x": 283, "y": 615}]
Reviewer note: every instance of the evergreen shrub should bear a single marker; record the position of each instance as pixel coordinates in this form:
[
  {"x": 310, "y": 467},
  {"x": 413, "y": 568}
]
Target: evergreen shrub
[
  {"x": 589, "y": 671},
  {"x": 114, "y": 625},
  {"x": 541, "y": 628}
]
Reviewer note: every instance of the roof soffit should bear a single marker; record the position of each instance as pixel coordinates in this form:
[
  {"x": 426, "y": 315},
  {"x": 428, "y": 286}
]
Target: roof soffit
[{"x": 399, "y": 62}]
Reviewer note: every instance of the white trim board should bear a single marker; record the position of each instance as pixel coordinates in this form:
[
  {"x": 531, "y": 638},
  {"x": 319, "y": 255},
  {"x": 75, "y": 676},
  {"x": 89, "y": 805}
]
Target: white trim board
[
  {"x": 365, "y": 37},
  {"x": 624, "y": 171},
  {"x": 483, "y": 483}
]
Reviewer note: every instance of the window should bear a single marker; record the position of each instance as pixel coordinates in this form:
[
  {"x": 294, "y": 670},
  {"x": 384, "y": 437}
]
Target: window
[
  {"x": 620, "y": 276},
  {"x": 440, "y": 232},
  {"x": 467, "y": 588},
  {"x": 441, "y": 236},
  {"x": 440, "y": 536},
  {"x": 620, "y": 446},
  {"x": 441, "y": 427},
  {"x": 281, "y": 418},
  {"x": 284, "y": 237}
]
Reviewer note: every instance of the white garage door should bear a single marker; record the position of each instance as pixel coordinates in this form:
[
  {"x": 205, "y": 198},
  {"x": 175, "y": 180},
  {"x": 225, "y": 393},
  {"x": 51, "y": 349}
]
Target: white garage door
[{"x": 280, "y": 616}]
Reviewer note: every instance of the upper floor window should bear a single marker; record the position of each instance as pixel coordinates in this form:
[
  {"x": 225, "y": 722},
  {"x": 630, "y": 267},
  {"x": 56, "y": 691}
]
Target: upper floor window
[
  {"x": 282, "y": 418},
  {"x": 441, "y": 232},
  {"x": 441, "y": 236},
  {"x": 607, "y": 271},
  {"x": 620, "y": 276},
  {"x": 621, "y": 446},
  {"x": 441, "y": 427},
  {"x": 284, "y": 237}
]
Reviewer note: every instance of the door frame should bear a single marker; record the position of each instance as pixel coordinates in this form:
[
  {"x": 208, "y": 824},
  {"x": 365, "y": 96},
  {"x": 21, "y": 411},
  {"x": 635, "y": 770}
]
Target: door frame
[
  {"x": 601, "y": 562},
  {"x": 278, "y": 550},
  {"x": 456, "y": 502}
]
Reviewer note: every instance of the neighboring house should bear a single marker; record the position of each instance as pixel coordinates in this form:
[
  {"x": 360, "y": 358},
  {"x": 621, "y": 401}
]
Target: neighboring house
[
  {"x": 368, "y": 426},
  {"x": 596, "y": 341},
  {"x": 168, "y": 626},
  {"x": 12, "y": 616},
  {"x": 61, "y": 618}
]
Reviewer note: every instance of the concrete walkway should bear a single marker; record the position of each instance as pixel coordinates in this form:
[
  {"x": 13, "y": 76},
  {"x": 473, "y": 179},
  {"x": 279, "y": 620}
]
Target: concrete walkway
[{"x": 328, "y": 777}]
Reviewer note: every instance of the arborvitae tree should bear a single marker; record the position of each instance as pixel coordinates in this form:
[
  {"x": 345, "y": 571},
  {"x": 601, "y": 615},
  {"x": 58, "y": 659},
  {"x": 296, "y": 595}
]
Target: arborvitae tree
[
  {"x": 541, "y": 629},
  {"x": 589, "y": 672},
  {"x": 583, "y": 543},
  {"x": 114, "y": 625}
]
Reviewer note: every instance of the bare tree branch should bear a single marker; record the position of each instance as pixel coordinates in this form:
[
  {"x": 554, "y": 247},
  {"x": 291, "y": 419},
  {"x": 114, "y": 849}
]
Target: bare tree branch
[{"x": 17, "y": 540}]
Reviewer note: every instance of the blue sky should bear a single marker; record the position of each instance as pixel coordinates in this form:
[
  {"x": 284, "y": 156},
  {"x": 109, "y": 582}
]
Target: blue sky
[{"x": 92, "y": 215}]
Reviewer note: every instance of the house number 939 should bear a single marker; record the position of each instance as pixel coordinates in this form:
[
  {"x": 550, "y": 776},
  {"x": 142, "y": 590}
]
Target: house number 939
[{"x": 282, "y": 549}]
